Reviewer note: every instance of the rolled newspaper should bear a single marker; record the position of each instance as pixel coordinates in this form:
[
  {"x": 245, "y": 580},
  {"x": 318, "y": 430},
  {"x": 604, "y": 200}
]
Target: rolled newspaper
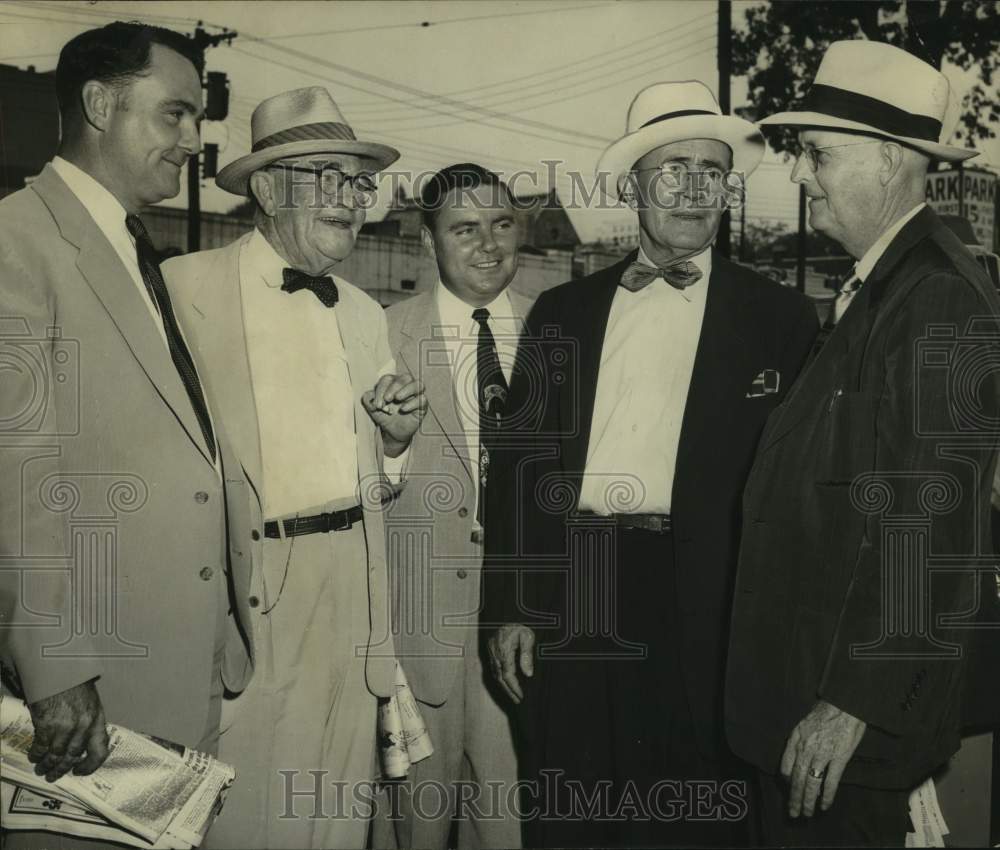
[
  {"x": 148, "y": 792},
  {"x": 402, "y": 734}
]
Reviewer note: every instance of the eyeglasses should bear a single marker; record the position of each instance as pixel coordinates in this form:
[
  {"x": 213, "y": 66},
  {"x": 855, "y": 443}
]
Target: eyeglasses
[
  {"x": 810, "y": 152},
  {"x": 333, "y": 181},
  {"x": 673, "y": 175}
]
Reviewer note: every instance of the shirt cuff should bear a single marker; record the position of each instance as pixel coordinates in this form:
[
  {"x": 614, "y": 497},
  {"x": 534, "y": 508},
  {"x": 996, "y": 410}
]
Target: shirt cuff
[{"x": 395, "y": 467}]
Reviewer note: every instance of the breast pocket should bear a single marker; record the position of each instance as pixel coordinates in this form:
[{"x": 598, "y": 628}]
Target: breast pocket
[{"x": 844, "y": 441}]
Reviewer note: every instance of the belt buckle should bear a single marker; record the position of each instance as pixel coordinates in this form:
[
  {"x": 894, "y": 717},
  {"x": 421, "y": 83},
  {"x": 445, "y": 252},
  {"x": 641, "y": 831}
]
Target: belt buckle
[{"x": 339, "y": 521}]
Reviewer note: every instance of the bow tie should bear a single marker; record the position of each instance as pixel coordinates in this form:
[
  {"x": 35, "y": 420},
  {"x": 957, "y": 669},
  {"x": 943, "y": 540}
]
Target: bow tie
[
  {"x": 322, "y": 287},
  {"x": 679, "y": 276}
]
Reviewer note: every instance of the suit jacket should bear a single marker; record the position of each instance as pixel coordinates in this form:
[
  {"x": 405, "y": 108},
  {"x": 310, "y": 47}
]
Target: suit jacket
[
  {"x": 112, "y": 515},
  {"x": 434, "y": 567},
  {"x": 877, "y": 467},
  {"x": 207, "y": 296},
  {"x": 750, "y": 324}
]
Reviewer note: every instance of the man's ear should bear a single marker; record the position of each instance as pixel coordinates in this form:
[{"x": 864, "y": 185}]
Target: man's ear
[
  {"x": 98, "y": 102},
  {"x": 427, "y": 239},
  {"x": 891, "y": 156},
  {"x": 262, "y": 191}
]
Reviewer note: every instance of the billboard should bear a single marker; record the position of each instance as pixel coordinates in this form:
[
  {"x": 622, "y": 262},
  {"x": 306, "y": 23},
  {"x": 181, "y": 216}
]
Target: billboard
[{"x": 974, "y": 199}]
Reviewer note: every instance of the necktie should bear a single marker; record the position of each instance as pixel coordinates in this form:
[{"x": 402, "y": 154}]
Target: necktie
[
  {"x": 679, "y": 276},
  {"x": 149, "y": 266},
  {"x": 844, "y": 296},
  {"x": 322, "y": 287},
  {"x": 492, "y": 392}
]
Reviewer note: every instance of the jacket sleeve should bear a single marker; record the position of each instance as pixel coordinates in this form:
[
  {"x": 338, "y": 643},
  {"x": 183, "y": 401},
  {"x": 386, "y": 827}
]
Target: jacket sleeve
[
  {"x": 40, "y": 605},
  {"x": 895, "y": 661}
]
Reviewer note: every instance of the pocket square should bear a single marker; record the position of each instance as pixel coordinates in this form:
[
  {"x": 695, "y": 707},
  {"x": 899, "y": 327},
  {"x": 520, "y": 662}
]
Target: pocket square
[{"x": 766, "y": 383}]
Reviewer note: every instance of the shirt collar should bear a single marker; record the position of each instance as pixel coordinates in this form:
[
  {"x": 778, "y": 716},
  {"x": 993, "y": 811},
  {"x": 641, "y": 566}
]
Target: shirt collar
[
  {"x": 452, "y": 310},
  {"x": 702, "y": 261},
  {"x": 864, "y": 266},
  {"x": 104, "y": 208},
  {"x": 264, "y": 260}
]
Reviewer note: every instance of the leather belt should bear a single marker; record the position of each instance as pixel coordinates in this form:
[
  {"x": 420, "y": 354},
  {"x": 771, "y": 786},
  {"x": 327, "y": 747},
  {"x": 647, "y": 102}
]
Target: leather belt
[
  {"x": 318, "y": 524},
  {"x": 657, "y": 523}
]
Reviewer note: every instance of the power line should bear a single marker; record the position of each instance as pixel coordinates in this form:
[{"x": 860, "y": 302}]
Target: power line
[
  {"x": 77, "y": 9},
  {"x": 600, "y": 74},
  {"x": 444, "y": 22},
  {"x": 577, "y": 135},
  {"x": 676, "y": 34}
]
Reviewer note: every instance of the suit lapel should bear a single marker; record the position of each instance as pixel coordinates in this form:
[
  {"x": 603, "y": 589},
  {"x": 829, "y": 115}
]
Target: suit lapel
[
  {"x": 425, "y": 356},
  {"x": 717, "y": 378},
  {"x": 102, "y": 268},
  {"x": 223, "y": 344}
]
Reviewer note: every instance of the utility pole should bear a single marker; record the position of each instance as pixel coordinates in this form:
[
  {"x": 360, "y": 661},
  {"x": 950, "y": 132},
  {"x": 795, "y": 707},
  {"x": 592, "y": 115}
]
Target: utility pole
[
  {"x": 202, "y": 40},
  {"x": 724, "y": 53},
  {"x": 800, "y": 269}
]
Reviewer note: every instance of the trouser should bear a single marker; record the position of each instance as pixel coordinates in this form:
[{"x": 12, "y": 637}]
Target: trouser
[
  {"x": 859, "y": 817},
  {"x": 302, "y": 735},
  {"x": 610, "y": 741},
  {"x": 471, "y": 776}
]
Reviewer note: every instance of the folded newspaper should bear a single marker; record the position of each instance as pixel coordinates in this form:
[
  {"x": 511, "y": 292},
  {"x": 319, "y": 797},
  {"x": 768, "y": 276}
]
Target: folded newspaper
[
  {"x": 403, "y": 738},
  {"x": 148, "y": 793}
]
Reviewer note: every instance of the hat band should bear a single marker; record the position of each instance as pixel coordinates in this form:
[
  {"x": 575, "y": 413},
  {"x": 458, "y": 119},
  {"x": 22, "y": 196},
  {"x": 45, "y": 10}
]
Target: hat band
[
  {"x": 305, "y": 132},
  {"x": 851, "y": 106},
  {"x": 679, "y": 114}
]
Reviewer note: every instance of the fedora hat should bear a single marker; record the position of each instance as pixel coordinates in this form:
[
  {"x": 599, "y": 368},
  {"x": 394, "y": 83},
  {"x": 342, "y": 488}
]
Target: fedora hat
[
  {"x": 871, "y": 87},
  {"x": 673, "y": 112},
  {"x": 293, "y": 123}
]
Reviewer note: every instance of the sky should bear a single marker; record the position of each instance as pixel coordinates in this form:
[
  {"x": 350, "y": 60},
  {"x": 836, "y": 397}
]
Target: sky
[{"x": 507, "y": 84}]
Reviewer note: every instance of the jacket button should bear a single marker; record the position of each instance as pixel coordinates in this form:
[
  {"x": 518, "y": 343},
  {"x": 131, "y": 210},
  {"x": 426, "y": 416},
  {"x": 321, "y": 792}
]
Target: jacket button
[
  {"x": 255, "y": 535},
  {"x": 253, "y": 602},
  {"x": 461, "y": 573},
  {"x": 463, "y": 512},
  {"x": 206, "y": 573},
  {"x": 201, "y": 497}
]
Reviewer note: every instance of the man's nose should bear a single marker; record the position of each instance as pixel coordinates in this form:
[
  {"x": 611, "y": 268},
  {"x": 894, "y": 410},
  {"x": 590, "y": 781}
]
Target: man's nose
[
  {"x": 801, "y": 171},
  {"x": 191, "y": 137},
  {"x": 488, "y": 243}
]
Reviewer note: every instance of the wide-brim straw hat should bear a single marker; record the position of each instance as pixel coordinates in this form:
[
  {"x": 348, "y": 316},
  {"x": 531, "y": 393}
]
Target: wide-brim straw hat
[
  {"x": 674, "y": 112},
  {"x": 294, "y": 123},
  {"x": 875, "y": 88}
]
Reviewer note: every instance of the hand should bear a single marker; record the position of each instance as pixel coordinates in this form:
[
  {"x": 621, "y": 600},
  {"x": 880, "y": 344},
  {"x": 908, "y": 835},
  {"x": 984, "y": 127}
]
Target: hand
[
  {"x": 823, "y": 742},
  {"x": 396, "y": 405},
  {"x": 70, "y": 733},
  {"x": 509, "y": 645}
]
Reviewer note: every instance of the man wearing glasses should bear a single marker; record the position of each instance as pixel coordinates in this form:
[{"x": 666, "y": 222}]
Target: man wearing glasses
[
  {"x": 617, "y": 503},
  {"x": 866, "y": 513},
  {"x": 298, "y": 365}
]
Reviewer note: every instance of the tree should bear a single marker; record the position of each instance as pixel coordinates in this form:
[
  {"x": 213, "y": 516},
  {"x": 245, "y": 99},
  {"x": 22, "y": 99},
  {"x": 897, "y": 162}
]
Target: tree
[{"x": 783, "y": 43}]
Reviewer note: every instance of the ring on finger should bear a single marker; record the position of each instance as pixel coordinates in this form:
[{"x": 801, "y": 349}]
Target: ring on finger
[{"x": 815, "y": 773}]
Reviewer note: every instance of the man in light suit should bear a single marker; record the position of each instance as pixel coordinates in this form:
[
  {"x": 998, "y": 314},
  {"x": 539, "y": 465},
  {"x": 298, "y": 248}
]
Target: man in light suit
[
  {"x": 435, "y": 528},
  {"x": 112, "y": 515},
  {"x": 611, "y": 544},
  {"x": 867, "y": 513},
  {"x": 291, "y": 355}
]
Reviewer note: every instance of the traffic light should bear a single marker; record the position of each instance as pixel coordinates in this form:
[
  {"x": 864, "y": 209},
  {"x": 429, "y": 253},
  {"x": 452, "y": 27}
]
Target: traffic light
[
  {"x": 210, "y": 160},
  {"x": 217, "y": 97}
]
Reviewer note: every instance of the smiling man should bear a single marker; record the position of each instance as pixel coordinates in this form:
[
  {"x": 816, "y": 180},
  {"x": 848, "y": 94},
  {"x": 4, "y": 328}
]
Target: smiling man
[
  {"x": 460, "y": 339},
  {"x": 639, "y": 403},
  {"x": 99, "y": 397},
  {"x": 298, "y": 365},
  {"x": 845, "y": 663}
]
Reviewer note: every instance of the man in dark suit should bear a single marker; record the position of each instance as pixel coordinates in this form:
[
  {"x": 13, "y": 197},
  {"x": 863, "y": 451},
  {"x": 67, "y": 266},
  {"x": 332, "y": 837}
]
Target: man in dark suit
[
  {"x": 866, "y": 514},
  {"x": 636, "y": 404}
]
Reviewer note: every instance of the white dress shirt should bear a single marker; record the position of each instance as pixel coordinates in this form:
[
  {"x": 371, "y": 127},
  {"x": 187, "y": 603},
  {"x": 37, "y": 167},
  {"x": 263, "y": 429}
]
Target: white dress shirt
[
  {"x": 109, "y": 216},
  {"x": 460, "y": 333},
  {"x": 302, "y": 388},
  {"x": 647, "y": 358}
]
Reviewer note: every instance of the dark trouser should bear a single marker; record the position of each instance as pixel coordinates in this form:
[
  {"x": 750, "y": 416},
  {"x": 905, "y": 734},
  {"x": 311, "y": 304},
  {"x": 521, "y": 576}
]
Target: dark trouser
[
  {"x": 859, "y": 817},
  {"x": 610, "y": 741}
]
